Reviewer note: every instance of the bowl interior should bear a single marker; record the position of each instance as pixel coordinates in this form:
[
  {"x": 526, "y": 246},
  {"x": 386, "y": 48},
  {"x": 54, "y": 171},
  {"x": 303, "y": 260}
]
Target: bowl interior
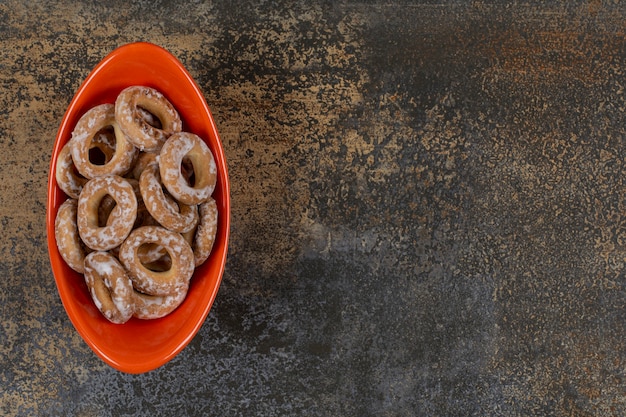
[{"x": 141, "y": 345}]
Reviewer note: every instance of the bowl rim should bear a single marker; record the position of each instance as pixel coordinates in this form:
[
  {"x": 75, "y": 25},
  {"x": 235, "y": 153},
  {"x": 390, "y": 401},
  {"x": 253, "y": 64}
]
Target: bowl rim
[{"x": 148, "y": 362}]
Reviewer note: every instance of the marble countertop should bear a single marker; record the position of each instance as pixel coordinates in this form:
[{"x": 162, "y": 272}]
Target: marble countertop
[{"x": 428, "y": 208}]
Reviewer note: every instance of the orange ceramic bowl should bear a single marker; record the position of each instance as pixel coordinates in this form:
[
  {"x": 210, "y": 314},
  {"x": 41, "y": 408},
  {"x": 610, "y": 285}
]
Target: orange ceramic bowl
[{"x": 141, "y": 345}]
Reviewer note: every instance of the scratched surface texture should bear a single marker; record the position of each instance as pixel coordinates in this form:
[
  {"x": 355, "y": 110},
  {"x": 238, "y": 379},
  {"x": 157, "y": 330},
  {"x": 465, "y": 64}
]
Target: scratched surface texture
[{"x": 428, "y": 208}]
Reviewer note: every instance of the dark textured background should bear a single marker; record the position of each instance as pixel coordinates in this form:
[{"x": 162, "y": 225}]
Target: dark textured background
[{"x": 428, "y": 208}]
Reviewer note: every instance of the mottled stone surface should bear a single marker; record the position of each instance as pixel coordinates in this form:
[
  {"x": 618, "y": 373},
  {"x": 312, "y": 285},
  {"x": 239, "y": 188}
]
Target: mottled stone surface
[{"x": 428, "y": 208}]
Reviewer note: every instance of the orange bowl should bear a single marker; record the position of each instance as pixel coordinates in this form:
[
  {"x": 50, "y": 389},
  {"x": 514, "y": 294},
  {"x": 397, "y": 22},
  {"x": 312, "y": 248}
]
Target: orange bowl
[{"x": 141, "y": 345}]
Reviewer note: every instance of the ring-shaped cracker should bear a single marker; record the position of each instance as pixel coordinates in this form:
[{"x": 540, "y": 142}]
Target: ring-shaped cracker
[
  {"x": 205, "y": 232},
  {"x": 67, "y": 176},
  {"x": 188, "y": 146},
  {"x": 121, "y": 219},
  {"x": 87, "y": 135},
  {"x": 172, "y": 215},
  {"x": 110, "y": 288},
  {"x": 149, "y": 307},
  {"x": 153, "y": 282},
  {"x": 66, "y": 234},
  {"x": 130, "y": 111}
]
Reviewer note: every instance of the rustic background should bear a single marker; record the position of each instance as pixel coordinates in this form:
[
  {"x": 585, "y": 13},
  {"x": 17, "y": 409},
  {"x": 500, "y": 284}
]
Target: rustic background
[{"x": 428, "y": 208}]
